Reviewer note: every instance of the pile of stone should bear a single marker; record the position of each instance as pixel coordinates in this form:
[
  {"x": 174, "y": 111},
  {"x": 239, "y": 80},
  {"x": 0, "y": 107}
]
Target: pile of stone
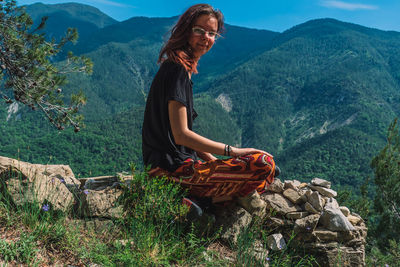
[{"x": 308, "y": 215}]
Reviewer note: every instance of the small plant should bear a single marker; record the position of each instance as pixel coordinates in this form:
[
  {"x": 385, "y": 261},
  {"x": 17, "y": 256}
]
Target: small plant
[{"x": 22, "y": 250}]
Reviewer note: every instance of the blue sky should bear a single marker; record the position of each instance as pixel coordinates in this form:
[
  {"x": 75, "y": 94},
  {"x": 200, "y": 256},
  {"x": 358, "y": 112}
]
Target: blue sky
[{"x": 275, "y": 15}]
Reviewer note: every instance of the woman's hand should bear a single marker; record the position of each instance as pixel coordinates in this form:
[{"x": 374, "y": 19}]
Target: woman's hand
[
  {"x": 205, "y": 156},
  {"x": 236, "y": 152}
]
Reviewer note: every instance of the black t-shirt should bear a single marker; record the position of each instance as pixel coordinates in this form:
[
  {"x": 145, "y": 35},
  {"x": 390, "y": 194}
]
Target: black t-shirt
[{"x": 158, "y": 145}]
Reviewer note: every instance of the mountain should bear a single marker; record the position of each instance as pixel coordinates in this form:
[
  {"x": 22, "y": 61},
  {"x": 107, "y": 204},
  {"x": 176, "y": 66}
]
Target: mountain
[
  {"x": 322, "y": 82},
  {"x": 318, "y": 96}
]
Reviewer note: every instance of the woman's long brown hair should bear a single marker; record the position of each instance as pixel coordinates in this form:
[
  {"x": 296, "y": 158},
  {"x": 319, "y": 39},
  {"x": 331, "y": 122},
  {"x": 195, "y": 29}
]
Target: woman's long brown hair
[{"x": 177, "y": 47}]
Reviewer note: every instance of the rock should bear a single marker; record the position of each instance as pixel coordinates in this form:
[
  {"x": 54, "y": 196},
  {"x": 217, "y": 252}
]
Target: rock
[
  {"x": 53, "y": 185},
  {"x": 334, "y": 220},
  {"x": 324, "y": 235},
  {"x": 316, "y": 201},
  {"x": 354, "y": 220},
  {"x": 305, "y": 194},
  {"x": 232, "y": 220},
  {"x": 100, "y": 203},
  {"x": 331, "y": 203},
  {"x": 100, "y": 183},
  {"x": 276, "y": 242},
  {"x": 273, "y": 222},
  {"x": 303, "y": 185},
  {"x": 332, "y": 254},
  {"x": 253, "y": 203},
  {"x": 259, "y": 252},
  {"x": 292, "y": 184},
  {"x": 292, "y": 195},
  {"x": 276, "y": 186},
  {"x": 296, "y": 215},
  {"x": 308, "y": 207},
  {"x": 306, "y": 224},
  {"x": 345, "y": 210},
  {"x": 321, "y": 182},
  {"x": 279, "y": 203},
  {"x": 323, "y": 191}
]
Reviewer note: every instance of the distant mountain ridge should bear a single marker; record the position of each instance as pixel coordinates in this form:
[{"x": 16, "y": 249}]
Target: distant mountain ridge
[{"x": 319, "y": 96}]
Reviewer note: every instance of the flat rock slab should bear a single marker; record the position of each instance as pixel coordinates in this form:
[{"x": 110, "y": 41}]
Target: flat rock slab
[
  {"x": 321, "y": 182},
  {"x": 279, "y": 203},
  {"x": 296, "y": 215},
  {"x": 292, "y": 195},
  {"x": 323, "y": 191}
]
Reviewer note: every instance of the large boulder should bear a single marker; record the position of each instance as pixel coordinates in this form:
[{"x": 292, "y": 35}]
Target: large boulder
[{"x": 53, "y": 185}]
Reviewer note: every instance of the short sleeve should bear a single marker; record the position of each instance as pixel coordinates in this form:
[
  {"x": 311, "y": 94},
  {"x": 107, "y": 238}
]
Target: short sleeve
[{"x": 177, "y": 82}]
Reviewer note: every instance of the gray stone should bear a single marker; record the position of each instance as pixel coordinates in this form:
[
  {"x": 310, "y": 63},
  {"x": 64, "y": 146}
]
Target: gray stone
[
  {"x": 332, "y": 254},
  {"x": 316, "y": 201},
  {"x": 100, "y": 203},
  {"x": 331, "y": 203},
  {"x": 100, "y": 183},
  {"x": 334, "y": 220},
  {"x": 321, "y": 182},
  {"x": 54, "y": 185},
  {"x": 232, "y": 220},
  {"x": 306, "y": 224},
  {"x": 274, "y": 222},
  {"x": 354, "y": 220},
  {"x": 296, "y": 215},
  {"x": 292, "y": 195},
  {"x": 276, "y": 242},
  {"x": 279, "y": 203},
  {"x": 293, "y": 184},
  {"x": 324, "y": 235},
  {"x": 276, "y": 186},
  {"x": 308, "y": 207},
  {"x": 345, "y": 210},
  {"x": 253, "y": 203},
  {"x": 323, "y": 191}
]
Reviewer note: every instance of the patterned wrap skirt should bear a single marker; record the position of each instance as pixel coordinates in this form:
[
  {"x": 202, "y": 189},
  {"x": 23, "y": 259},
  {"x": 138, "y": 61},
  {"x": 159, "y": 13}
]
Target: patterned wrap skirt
[{"x": 234, "y": 177}]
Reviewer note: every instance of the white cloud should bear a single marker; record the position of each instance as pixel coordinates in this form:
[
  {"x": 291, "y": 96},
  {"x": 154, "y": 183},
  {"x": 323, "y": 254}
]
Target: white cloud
[
  {"x": 347, "y": 6},
  {"x": 110, "y": 3}
]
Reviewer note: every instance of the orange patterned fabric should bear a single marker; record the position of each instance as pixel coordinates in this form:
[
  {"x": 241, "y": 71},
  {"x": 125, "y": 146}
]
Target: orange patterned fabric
[{"x": 235, "y": 177}]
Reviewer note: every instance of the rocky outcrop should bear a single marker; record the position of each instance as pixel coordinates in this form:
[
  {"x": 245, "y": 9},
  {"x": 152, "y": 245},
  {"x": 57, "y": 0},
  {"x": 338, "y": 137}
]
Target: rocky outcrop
[
  {"x": 55, "y": 187},
  {"x": 309, "y": 216}
]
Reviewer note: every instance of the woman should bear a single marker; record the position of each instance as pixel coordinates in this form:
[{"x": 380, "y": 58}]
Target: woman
[{"x": 170, "y": 146}]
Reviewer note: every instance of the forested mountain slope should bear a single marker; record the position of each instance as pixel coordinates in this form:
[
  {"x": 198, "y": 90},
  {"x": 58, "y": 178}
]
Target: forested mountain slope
[{"x": 320, "y": 98}]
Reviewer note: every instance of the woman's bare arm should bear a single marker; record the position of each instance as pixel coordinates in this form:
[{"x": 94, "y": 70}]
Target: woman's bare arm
[{"x": 184, "y": 136}]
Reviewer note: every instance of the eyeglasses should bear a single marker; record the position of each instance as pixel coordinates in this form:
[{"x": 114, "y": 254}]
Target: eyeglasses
[{"x": 200, "y": 32}]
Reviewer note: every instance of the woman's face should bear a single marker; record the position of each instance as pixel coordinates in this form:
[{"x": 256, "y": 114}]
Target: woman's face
[{"x": 202, "y": 41}]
